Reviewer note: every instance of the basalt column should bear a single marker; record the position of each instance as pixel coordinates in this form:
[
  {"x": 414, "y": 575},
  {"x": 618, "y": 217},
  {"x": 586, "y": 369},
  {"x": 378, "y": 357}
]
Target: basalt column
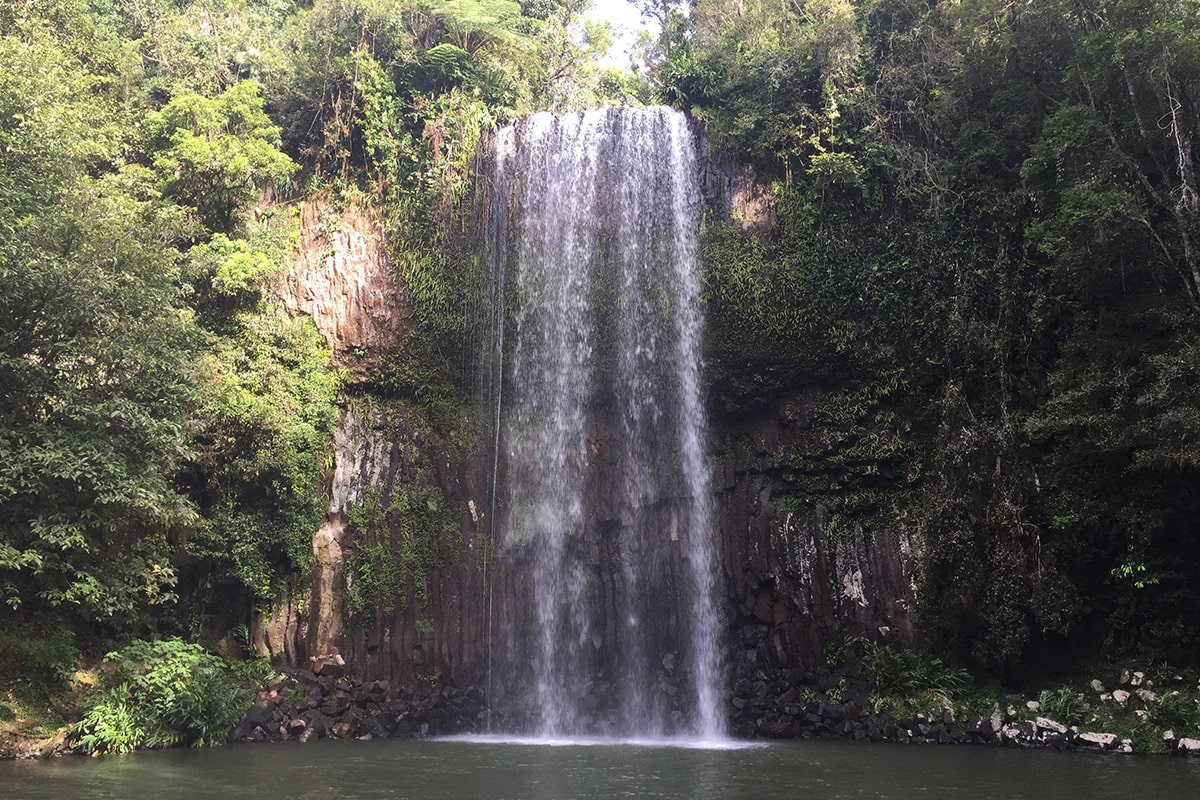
[{"x": 603, "y": 576}]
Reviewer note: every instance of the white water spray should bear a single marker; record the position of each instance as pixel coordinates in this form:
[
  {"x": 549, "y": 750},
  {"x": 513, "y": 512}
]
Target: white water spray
[{"x": 605, "y": 500}]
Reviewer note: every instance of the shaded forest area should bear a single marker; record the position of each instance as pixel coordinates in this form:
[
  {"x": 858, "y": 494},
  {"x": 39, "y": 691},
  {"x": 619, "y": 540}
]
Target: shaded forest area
[
  {"x": 987, "y": 241},
  {"x": 985, "y": 250}
]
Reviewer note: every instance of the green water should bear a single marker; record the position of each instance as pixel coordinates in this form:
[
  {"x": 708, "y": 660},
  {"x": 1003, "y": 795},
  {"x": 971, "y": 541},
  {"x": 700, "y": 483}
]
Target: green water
[{"x": 457, "y": 770}]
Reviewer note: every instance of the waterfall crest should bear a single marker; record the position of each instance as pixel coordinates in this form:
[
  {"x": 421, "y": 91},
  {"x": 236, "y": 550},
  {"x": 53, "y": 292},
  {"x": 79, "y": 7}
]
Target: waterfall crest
[{"x": 603, "y": 514}]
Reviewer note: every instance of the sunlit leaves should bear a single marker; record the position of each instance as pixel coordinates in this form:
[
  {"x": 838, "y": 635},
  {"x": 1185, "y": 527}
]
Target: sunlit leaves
[
  {"x": 262, "y": 435},
  {"x": 217, "y": 154},
  {"x": 91, "y": 352}
]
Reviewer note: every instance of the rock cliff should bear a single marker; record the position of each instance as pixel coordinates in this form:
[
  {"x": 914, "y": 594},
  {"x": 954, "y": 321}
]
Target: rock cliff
[{"x": 790, "y": 582}]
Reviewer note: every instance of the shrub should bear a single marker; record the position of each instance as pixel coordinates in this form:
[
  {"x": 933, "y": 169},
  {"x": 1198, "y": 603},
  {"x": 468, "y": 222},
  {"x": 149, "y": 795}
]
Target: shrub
[
  {"x": 904, "y": 672},
  {"x": 110, "y": 725},
  {"x": 1065, "y": 705},
  {"x": 162, "y": 694}
]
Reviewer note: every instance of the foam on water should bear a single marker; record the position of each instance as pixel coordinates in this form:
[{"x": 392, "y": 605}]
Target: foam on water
[{"x": 597, "y": 741}]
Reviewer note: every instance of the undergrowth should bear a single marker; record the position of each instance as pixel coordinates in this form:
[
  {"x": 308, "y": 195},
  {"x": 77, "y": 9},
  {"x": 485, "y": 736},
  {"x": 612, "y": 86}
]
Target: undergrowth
[{"x": 161, "y": 694}]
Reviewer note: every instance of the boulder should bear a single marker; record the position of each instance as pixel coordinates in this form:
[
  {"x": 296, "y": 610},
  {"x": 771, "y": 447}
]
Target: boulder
[
  {"x": 1047, "y": 724},
  {"x": 331, "y": 665},
  {"x": 1102, "y": 741},
  {"x": 1189, "y": 747},
  {"x": 261, "y": 713},
  {"x": 832, "y": 712},
  {"x": 779, "y": 726},
  {"x": 790, "y": 696}
]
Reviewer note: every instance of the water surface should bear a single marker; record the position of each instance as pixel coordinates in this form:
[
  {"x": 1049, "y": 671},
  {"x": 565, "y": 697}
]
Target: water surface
[{"x": 463, "y": 770}]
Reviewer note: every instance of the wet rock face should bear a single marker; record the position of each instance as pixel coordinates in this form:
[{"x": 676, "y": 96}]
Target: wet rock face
[
  {"x": 794, "y": 584},
  {"x": 342, "y": 278},
  {"x": 424, "y": 500},
  {"x": 788, "y": 584},
  {"x": 734, "y": 192},
  {"x": 788, "y": 590}
]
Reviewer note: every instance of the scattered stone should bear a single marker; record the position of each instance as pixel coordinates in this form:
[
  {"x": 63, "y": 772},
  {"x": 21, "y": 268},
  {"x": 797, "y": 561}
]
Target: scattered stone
[
  {"x": 1168, "y": 735},
  {"x": 260, "y": 714},
  {"x": 331, "y": 665},
  {"x": 1141, "y": 716},
  {"x": 1137, "y": 678},
  {"x": 1100, "y": 740},
  {"x": 1047, "y": 724},
  {"x": 1098, "y": 687},
  {"x": 1121, "y": 696},
  {"x": 764, "y": 700},
  {"x": 1189, "y": 746},
  {"x": 1147, "y": 696},
  {"x": 1125, "y": 677}
]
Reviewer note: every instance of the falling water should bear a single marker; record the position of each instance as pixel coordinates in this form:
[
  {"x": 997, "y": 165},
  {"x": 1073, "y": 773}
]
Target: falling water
[{"x": 604, "y": 507}]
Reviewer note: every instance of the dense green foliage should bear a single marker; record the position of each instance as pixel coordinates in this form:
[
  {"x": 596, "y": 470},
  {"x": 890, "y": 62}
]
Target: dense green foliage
[
  {"x": 167, "y": 427},
  {"x": 986, "y": 247},
  {"x": 162, "y": 694},
  {"x": 128, "y": 272},
  {"x": 92, "y": 349},
  {"x": 985, "y": 260}
]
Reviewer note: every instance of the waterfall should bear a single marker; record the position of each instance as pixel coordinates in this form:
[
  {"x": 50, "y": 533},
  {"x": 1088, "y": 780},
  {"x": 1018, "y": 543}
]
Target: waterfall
[{"x": 604, "y": 533}]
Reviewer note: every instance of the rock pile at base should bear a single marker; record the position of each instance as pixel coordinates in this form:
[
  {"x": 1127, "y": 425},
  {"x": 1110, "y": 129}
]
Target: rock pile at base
[
  {"x": 790, "y": 704},
  {"x": 304, "y": 706}
]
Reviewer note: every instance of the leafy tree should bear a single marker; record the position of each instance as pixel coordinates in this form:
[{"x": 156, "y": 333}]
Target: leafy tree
[
  {"x": 92, "y": 350},
  {"x": 218, "y": 154}
]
